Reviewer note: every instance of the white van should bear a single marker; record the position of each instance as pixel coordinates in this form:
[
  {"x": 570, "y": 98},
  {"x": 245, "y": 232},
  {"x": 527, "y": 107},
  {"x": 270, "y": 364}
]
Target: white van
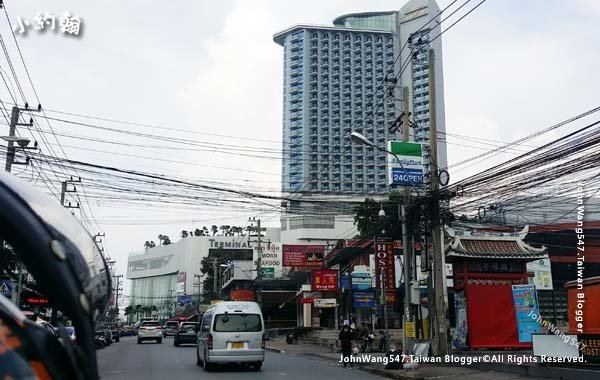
[{"x": 231, "y": 332}]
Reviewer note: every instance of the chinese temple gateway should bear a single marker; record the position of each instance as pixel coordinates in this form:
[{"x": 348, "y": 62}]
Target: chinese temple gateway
[{"x": 485, "y": 267}]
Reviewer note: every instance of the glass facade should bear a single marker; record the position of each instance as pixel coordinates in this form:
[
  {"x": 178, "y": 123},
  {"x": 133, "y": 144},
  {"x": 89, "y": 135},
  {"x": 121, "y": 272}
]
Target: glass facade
[
  {"x": 158, "y": 291},
  {"x": 332, "y": 86},
  {"x": 384, "y": 21}
]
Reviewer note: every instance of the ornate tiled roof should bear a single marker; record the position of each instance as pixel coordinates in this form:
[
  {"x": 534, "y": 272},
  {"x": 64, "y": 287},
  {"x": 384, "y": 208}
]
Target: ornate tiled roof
[{"x": 492, "y": 246}]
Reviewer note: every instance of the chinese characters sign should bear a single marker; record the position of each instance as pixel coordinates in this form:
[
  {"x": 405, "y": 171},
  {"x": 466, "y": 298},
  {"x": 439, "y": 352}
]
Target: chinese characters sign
[
  {"x": 68, "y": 23},
  {"x": 385, "y": 266},
  {"x": 307, "y": 256},
  {"x": 324, "y": 279}
]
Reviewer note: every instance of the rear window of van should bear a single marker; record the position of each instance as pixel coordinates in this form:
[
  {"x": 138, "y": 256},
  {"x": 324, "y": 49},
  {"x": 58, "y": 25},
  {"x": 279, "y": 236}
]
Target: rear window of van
[{"x": 237, "y": 323}]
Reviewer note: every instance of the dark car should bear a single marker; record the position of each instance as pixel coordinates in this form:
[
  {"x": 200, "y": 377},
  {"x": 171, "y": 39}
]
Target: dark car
[
  {"x": 108, "y": 337},
  {"x": 186, "y": 334},
  {"x": 170, "y": 328},
  {"x": 100, "y": 339},
  {"x": 115, "y": 331}
]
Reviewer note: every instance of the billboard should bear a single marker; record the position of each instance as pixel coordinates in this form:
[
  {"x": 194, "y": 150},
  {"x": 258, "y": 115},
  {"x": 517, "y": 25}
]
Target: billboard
[
  {"x": 525, "y": 305},
  {"x": 306, "y": 256},
  {"x": 181, "y": 283},
  {"x": 364, "y": 299},
  {"x": 324, "y": 279},
  {"x": 411, "y": 172},
  {"x": 361, "y": 281},
  {"x": 271, "y": 260},
  {"x": 385, "y": 265}
]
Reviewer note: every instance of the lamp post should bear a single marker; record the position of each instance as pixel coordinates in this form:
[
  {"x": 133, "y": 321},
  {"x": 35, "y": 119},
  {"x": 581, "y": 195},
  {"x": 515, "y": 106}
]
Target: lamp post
[{"x": 359, "y": 139}]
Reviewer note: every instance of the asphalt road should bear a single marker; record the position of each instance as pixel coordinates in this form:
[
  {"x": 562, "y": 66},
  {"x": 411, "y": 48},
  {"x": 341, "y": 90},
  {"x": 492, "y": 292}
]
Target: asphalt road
[{"x": 128, "y": 360}]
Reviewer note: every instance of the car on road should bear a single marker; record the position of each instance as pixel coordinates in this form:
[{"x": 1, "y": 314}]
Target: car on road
[
  {"x": 127, "y": 330},
  {"x": 150, "y": 330},
  {"x": 108, "y": 337},
  {"x": 186, "y": 334},
  {"x": 231, "y": 332},
  {"x": 170, "y": 328}
]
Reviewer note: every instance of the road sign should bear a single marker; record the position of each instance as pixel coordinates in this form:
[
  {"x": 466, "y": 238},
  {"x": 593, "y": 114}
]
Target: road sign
[
  {"x": 411, "y": 172},
  {"x": 6, "y": 288},
  {"x": 268, "y": 272}
]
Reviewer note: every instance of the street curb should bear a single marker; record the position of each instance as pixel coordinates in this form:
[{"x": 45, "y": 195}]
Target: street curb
[
  {"x": 391, "y": 374},
  {"x": 273, "y": 349},
  {"x": 561, "y": 373}
]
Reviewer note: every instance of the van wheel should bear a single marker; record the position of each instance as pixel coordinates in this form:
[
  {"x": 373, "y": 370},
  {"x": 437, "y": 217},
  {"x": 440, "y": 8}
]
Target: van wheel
[
  {"x": 198, "y": 361},
  {"x": 257, "y": 366},
  {"x": 159, "y": 340},
  {"x": 139, "y": 341},
  {"x": 206, "y": 365}
]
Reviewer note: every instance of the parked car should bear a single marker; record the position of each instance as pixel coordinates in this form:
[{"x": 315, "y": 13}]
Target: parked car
[
  {"x": 100, "y": 339},
  {"x": 150, "y": 330},
  {"x": 116, "y": 331},
  {"x": 186, "y": 334},
  {"x": 107, "y": 333},
  {"x": 231, "y": 332},
  {"x": 170, "y": 328}
]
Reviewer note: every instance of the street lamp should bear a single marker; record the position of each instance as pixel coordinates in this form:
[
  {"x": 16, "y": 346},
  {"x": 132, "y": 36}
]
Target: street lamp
[{"x": 359, "y": 139}]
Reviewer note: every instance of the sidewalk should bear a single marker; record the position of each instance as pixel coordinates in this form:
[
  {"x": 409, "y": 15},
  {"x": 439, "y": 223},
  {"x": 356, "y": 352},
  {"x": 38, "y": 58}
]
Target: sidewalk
[{"x": 488, "y": 371}]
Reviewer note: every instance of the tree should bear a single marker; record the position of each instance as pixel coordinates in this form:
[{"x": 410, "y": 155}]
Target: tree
[
  {"x": 166, "y": 240},
  {"x": 137, "y": 309},
  {"x": 368, "y": 222},
  {"x": 129, "y": 311},
  {"x": 214, "y": 229},
  {"x": 146, "y": 309},
  {"x": 152, "y": 244},
  {"x": 207, "y": 268},
  {"x": 160, "y": 239},
  {"x": 198, "y": 232},
  {"x": 184, "y": 234},
  {"x": 205, "y": 230}
]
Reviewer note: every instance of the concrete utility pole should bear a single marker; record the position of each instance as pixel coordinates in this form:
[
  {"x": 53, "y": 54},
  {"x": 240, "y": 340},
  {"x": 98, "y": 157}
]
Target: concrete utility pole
[
  {"x": 439, "y": 326},
  {"x": 215, "y": 274},
  {"x": 10, "y": 161},
  {"x": 65, "y": 189},
  {"x": 117, "y": 290},
  {"x": 402, "y": 214},
  {"x": 258, "y": 230}
]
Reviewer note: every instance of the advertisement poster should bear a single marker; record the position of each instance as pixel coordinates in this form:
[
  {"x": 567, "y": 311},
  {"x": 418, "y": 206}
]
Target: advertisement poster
[
  {"x": 271, "y": 260},
  {"x": 306, "y": 256},
  {"x": 459, "y": 340},
  {"x": 181, "y": 283},
  {"x": 324, "y": 279},
  {"x": 364, "y": 299},
  {"x": 385, "y": 265},
  {"x": 542, "y": 274},
  {"x": 525, "y": 302}
]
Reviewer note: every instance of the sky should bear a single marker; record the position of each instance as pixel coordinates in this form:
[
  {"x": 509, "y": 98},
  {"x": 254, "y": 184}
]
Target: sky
[{"x": 210, "y": 68}]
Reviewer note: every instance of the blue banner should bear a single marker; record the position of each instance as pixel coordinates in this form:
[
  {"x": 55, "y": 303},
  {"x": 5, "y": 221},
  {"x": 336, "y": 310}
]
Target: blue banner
[
  {"x": 407, "y": 177},
  {"x": 525, "y": 308},
  {"x": 364, "y": 299},
  {"x": 184, "y": 299}
]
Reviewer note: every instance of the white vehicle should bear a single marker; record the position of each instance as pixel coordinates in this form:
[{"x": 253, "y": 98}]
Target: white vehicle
[
  {"x": 150, "y": 330},
  {"x": 231, "y": 332}
]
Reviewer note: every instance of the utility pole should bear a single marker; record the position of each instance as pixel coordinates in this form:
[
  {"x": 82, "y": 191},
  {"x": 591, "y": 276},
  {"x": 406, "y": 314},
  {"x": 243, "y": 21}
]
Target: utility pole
[
  {"x": 10, "y": 161},
  {"x": 439, "y": 326},
  {"x": 65, "y": 189},
  {"x": 215, "y": 274},
  {"x": 402, "y": 214},
  {"x": 117, "y": 289},
  {"x": 258, "y": 230}
]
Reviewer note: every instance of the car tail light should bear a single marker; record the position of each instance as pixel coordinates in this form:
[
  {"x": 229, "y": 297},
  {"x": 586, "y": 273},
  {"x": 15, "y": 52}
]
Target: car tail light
[
  {"x": 263, "y": 341},
  {"x": 210, "y": 342}
]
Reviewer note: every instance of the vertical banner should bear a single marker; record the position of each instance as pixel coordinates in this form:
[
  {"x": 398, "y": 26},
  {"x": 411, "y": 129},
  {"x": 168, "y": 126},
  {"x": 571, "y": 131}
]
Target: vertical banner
[
  {"x": 525, "y": 306},
  {"x": 181, "y": 283},
  {"x": 459, "y": 340},
  {"x": 385, "y": 263}
]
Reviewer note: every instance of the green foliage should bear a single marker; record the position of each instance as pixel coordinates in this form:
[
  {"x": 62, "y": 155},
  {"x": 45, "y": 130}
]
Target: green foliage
[
  {"x": 207, "y": 268},
  {"x": 370, "y": 224}
]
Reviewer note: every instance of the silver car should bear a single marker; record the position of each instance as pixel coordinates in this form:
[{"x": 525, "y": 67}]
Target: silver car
[
  {"x": 150, "y": 330},
  {"x": 231, "y": 332}
]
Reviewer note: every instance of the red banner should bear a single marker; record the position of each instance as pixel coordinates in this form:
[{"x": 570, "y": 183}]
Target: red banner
[
  {"x": 307, "y": 256},
  {"x": 324, "y": 279},
  {"x": 385, "y": 263},
  {"x": 306, "y": 300}
]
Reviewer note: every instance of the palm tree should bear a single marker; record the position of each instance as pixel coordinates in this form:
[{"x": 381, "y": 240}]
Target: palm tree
[
  {"x": 129, "y": 312},
  {"x": 198, "y": 232},
  {"x": 184, "y": 234},
  {"x": 205, "y": 230},
  {"x": 214, "y": 229},
  {"x": 137, "y": 309},
  {"x": 146, "y": 309},
  {"x": 160, "y": 239}
]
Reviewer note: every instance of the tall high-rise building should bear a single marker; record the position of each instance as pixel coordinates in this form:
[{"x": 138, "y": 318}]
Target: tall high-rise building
[{"x": 344, "y": 78}]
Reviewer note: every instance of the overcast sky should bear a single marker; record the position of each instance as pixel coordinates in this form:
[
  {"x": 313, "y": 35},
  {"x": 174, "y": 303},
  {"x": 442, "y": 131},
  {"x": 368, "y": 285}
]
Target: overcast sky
[{"x": 510, "y": 68}]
